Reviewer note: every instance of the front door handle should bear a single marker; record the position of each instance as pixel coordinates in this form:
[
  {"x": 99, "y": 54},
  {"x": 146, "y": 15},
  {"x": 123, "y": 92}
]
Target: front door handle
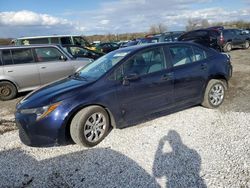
[
  {"x": 167, "y": 76},
  {"x": 43, "y": 67}
]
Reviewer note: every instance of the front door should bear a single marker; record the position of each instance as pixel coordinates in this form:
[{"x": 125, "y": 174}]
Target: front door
[
  {"x": 147, "y": 85},
  {"x": 51, "y": 64}
]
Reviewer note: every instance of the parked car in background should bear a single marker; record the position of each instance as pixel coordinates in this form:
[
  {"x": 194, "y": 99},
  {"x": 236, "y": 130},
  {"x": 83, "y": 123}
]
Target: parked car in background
[
  {"x": 25, "y": 68},
  {"x": 148, "y": 40},
  {"x": 107, "y": 47},
  {"x": 122, "y": 88},
  {"x": 130, "y": 43},
  {"x": 55, "y": 39},
  {"x": 79, "y": 51},
  {"x": 171, "y": 36},
  {"x": 218, "y": 38}
]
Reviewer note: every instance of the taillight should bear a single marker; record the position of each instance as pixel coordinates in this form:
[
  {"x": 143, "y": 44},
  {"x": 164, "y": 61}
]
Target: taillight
[{"x": 221, "y": 38}]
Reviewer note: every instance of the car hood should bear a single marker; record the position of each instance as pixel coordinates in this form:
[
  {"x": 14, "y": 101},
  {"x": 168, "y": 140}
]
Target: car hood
[{"x": 53, "y": 92}]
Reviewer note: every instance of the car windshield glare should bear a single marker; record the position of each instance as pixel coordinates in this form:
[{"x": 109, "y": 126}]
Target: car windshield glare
[{"x": 102, "y": 65}]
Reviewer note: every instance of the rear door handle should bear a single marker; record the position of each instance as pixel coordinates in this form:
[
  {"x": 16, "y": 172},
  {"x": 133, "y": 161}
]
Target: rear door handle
[
  {"x": 10, "y": 71},
  {"x": 43, "y": 67}
]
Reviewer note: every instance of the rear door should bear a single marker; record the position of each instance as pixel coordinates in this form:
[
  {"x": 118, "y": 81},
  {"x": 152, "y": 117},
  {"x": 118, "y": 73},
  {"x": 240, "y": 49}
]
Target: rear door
[
  {"x": 52, "y": 64},
  {"x": 190, "y": 73},
  {"x": 20, "y": 67}
]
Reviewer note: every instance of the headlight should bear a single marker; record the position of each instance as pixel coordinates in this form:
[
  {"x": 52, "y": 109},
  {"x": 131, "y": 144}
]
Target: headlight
[{"x": 40, "y": 112}]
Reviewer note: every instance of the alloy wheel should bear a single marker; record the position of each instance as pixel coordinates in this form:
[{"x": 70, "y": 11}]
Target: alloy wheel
[
  {"x": 216, "y": 94},
  {"x": 94, "y": 127}
]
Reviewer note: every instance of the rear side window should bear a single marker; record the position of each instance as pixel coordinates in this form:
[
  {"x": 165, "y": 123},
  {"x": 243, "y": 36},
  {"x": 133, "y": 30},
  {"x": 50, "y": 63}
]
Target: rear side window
[
  {"x": 199, "y": 54},
  {"x": 1, "y": 63},
  {"x": 48, "y": 54},
  {"x": 66, "y": 40},
  {"x": 35, "y": 41},
  {"x": 22, "y": 56},
  {"x": 6, "y": 56},
  {"x": 54, "y": 40},
  {"x": 181, "y": 55}
]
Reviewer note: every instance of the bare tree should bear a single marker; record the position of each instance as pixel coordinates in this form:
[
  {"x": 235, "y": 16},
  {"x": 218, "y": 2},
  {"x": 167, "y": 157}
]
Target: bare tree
[
  {"x": 157, "y": 28},
  {"x": 197, "y": 24}
]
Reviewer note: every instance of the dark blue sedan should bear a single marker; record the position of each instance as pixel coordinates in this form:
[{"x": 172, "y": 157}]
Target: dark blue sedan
[{"x": 122, "y": 88}]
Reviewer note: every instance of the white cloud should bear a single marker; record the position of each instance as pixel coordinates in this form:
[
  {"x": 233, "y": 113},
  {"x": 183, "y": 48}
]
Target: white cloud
[
  {"x": 27, "y": 18},
  {"x": 104, "y": 22},
  {"x": 28, "y": 23},
  {"x": 118, "y": 16},
  {"x": 139, "y": 15}
]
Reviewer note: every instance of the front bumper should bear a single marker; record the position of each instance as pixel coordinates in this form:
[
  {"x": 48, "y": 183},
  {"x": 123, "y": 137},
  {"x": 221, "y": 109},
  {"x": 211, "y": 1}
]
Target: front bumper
[{"x": 45, "y": 132}]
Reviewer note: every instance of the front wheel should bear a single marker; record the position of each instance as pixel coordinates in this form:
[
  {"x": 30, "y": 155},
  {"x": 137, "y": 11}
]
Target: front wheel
[
  {"x": 90, "y": 126},
  {"x": 214, "y": 94}
]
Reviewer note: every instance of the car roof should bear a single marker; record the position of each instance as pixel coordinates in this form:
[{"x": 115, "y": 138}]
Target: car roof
[
  {"x": 145, "y": 46},
  {"x": 27, "y": 46},
  {"x": 48, "y": 36}
]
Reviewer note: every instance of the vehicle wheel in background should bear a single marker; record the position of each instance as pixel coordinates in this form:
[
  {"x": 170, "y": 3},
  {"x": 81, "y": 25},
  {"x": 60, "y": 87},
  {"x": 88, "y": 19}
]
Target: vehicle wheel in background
[
  {"x": 214, "y": 94},
  {"x": 90, "y": 126},
  {"x": 227, "y": 47},
  {"x": 7, "y": 90},
  {"x": 246, "y": 45}
]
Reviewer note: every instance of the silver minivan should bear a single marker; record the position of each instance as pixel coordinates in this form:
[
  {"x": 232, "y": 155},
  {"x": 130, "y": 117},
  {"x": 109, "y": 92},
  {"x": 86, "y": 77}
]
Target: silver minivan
[{"x": 25, "y": 68}]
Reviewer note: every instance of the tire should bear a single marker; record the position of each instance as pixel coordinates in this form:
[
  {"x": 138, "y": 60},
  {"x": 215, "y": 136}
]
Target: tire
[
  {"x": 7, "y": 91},
  {"x": 84, "y": 127},
  {"x": 246, "y": 45},
  {"x": 228, "y": 47},
  {"x": 214, "y": 94}
]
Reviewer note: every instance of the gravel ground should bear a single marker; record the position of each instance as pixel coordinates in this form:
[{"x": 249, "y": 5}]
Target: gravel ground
[{"x": 196, "y": 147}]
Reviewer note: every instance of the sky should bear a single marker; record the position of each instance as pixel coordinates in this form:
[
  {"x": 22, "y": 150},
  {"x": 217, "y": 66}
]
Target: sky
[{"x": 87, "y": 17}]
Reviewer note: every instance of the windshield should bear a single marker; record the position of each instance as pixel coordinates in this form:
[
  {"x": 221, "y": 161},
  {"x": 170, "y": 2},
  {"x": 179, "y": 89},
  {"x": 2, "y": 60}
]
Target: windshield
[{"x": 102, "y": 65}]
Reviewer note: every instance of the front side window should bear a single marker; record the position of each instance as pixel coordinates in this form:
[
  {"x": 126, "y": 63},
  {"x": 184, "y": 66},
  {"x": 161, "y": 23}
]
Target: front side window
[
  {"x": 181, "y": 55},
  {"x": 145, "y": 62},
  {"x": 22, "y": 56},
  {"x": 48, "y": 54},
  {"x": 76, "y": 51},
  {"x": 102, "y": 65}
]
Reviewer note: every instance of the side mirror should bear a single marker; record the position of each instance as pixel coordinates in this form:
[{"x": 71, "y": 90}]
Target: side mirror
[{"x": 130, "y": 77}]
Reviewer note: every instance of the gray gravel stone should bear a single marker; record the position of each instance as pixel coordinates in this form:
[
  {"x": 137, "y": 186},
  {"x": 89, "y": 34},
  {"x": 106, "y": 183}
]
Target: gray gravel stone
[{"x": 197, "y": 147}]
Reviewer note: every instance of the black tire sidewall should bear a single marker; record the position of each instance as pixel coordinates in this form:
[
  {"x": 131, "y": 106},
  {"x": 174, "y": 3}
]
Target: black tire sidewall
[
  {"x": 84, "y": 115},
  {"x": 12, "y": 88}
]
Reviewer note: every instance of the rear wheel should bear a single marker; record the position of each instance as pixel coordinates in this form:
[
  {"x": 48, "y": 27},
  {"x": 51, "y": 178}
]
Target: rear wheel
[
  {"x": 228, "y": 47},
  {"x": 90, "y": 126},
  {"x": 7, "y": 90},
  {"x": 214, "y": 94}
]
